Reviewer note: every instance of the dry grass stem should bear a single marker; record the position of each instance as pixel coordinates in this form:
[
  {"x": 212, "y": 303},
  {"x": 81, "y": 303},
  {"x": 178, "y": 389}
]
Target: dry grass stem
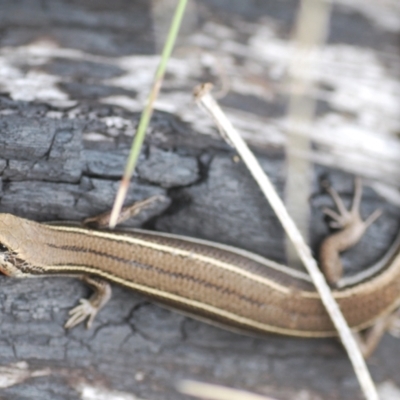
[{"x": 229, "y": 133}]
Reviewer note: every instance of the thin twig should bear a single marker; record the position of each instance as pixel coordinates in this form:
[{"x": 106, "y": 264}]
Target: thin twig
[
  {"x": 204, "y": 98},
  {"x": 310, "y": 33},
  {"x": 216, "y": 392},
  {"x": 147, "y": 112}
]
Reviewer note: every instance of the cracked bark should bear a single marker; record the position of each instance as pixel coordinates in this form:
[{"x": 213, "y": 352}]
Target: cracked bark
[{"x": 52, "y": 169}]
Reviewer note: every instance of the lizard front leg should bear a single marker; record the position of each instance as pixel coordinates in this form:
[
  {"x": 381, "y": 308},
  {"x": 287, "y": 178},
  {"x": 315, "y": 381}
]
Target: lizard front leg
[{"x": 89, "y": 308}]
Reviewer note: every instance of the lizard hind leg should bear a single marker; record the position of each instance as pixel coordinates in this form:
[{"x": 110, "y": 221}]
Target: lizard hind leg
[
  {"x": 370, "y": 338},
  {"x": 394, "y": 324},
  {"x": 351, "y": 229},
  {"x": 347, "y": 217},
  {"x": 343, "y": 217}
]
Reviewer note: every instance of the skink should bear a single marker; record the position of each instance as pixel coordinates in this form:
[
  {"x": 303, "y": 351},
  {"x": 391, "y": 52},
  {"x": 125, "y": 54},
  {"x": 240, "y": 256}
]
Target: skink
[{"x": 215, "y": 282}]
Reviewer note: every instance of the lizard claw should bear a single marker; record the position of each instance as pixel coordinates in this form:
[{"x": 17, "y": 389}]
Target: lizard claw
[{"x": 79, "y": 313}]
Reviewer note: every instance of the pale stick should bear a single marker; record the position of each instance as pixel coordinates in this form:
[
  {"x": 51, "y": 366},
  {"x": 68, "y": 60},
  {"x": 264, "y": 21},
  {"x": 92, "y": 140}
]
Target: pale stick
[{"x": 229, "y": 133}]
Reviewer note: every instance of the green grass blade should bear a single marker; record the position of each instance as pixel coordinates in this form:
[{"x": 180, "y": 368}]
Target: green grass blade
[{"x": 147, "y": 112}]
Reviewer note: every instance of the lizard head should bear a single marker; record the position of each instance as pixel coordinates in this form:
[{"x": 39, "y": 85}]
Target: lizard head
[{"x": 14, "y": 237}]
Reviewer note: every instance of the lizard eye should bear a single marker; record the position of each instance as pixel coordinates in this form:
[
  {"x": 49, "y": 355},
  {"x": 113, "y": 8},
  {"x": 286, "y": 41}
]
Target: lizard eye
[{"x": 3, "y": 249}]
